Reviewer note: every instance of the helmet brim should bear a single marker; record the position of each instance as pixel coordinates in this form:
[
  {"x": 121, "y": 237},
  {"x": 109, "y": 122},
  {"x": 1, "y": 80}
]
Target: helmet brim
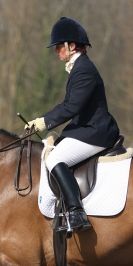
[{"x": 53, "y": 44}]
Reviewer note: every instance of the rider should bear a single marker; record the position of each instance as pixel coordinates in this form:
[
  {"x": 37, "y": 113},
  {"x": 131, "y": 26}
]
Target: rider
[{"x": 91, "y": 129}]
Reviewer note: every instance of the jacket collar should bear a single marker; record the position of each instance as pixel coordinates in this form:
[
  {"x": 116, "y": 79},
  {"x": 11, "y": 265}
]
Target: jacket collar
[{"x": 69, "y": 65}]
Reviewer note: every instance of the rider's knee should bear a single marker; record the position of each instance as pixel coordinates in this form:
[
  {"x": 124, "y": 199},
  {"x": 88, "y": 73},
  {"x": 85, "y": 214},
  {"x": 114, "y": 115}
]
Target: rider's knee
[{"x": 52, "y": 160}]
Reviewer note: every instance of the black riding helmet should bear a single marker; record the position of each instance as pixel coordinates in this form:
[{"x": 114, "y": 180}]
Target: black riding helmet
[{"x": 68, "y": 30}]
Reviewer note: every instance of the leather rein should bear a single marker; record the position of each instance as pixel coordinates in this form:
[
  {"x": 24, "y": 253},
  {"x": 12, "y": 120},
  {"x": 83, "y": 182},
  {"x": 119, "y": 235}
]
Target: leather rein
[{"x": 21, "y": 142}]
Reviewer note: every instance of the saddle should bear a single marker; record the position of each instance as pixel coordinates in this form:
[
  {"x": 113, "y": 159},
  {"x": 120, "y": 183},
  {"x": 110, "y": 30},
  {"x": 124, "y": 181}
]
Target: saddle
[{"x": 86, "y": 171}]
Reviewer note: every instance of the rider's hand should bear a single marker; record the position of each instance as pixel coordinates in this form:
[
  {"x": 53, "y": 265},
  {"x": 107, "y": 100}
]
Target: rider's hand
[{"x": 39, "y": 124}]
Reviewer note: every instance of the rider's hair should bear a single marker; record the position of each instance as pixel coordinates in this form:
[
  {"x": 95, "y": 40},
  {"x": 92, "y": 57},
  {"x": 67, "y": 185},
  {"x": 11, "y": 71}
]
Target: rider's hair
[{"x": 81, "y": 48}]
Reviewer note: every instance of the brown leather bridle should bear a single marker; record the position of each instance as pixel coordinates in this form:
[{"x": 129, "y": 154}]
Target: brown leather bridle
[{"x": 21, "y": 142}]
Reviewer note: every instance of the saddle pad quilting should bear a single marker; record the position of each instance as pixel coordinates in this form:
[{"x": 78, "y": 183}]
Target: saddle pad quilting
[{"x": 109, "y": 195}]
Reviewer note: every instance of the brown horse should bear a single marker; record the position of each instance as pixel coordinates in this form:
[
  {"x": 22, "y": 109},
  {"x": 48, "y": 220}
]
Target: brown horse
[{"x": 26, "y": 236}]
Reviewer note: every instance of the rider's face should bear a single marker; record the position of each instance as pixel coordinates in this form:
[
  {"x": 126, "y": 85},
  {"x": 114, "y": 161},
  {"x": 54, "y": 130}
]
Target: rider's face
[{"x": 61, "y": 52}]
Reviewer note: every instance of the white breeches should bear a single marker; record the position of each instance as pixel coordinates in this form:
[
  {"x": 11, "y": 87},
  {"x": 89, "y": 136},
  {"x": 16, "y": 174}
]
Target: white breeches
[{"x": 69, "y": 151}]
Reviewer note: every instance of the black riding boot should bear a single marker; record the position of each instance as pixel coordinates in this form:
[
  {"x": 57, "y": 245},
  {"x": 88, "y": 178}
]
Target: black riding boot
[{"x": 71, "y": 195}]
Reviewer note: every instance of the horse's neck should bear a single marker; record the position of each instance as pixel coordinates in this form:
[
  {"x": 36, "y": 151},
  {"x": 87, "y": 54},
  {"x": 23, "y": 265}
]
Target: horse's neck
[{"x": 5, "y": 140}]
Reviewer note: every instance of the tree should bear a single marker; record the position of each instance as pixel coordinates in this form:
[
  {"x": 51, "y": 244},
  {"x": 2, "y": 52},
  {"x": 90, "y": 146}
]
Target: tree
[{"x": 31, "y": 78}]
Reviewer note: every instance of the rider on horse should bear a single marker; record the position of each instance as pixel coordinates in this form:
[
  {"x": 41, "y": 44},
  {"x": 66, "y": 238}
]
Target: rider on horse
[{"x": 91, "y": 129}]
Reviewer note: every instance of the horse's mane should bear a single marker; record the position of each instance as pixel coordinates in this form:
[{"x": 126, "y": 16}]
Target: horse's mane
[
  {"x": 15, "y": 136},
  {"x": 8, "y": 134}
]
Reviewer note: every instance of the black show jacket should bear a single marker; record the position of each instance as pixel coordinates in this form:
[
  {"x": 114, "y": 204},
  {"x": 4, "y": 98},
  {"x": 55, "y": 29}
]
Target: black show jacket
[{"x": 85, "y": 104}]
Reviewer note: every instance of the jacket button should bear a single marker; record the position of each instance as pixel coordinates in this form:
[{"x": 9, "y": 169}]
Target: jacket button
[{"x": 49, "y": 125}]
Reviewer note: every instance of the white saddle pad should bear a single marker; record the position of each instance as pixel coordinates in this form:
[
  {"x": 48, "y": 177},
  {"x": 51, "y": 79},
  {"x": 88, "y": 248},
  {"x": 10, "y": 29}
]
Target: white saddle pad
[{"x": 109, "y": 195}]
